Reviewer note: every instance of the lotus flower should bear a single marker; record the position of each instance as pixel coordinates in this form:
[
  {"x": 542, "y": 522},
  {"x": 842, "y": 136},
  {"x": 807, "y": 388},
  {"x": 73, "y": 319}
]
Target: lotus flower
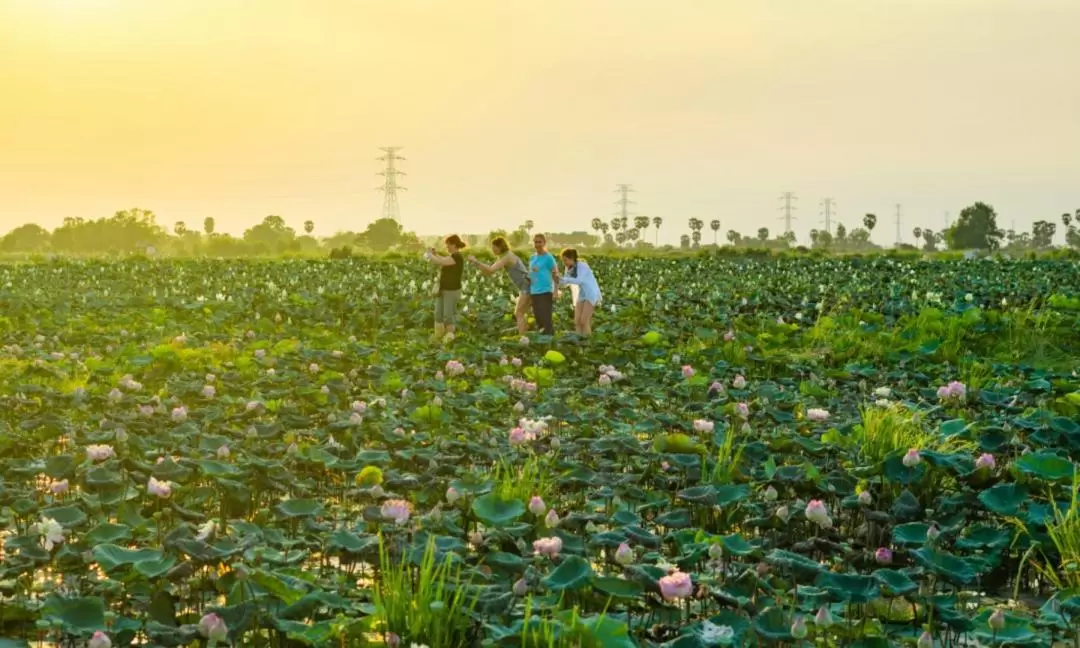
[
  {"x": 783, "y": 514},
  {"x": 996, "y": 620},
  {"x": 954, "y": 391},
  {"x": 206, "y": 530},
  {"x": 223, "y": 451},
  {"x": 729, "y": 336},
  {"x": 702, "y": 425},
  {"x": 739, "y": 382},
  {"x": 883, "y": 556},
  {"x": 926, "y": 640},
  {"x": 549, "y": 547},
  {"x": 51, "y": 532},
  {"x": 676, "y": 585},
  {"x": 624, "y": 555},
  {"x": 687, "y": 372},
  {"x": 865, "y": 498},
  {"x": 985, "y": 461},
  {"x": 452, "y": 495},
  {"x": 213, "y": 627},
  {"x": 912, "y": 458},
  {"x": 59, "y": 487},
  {"x": 771, "y": 494},
  {"x": 717, "y": 387},
  {"x": 552, "y": 519},
  {"x": 604, "y": 380},
  {"x": 160, "y": 488},
  {"x": 179, "y": 414},
  {"x": 99, "y": 452},
  {"x": 537, "y": 506},
  {"x": 743, "y": 410},
  {"x": 823, "y": 619},
  {"x": 798, "y": 628},
  {"x": 99, "y": 640},
  {"x": 209, "y": 391},
  {"x": 396, "y": 510},
  {"x": 817, "y": 415},
  {"x": 817, "y": 513},
  {"x": 521, "y": 588}
]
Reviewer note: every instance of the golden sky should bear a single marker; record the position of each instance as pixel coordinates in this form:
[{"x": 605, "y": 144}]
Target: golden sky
[{"x": 534, "y": 109}]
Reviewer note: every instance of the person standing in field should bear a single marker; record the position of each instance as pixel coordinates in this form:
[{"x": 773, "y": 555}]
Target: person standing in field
[
  {"x": 449, "y": 291},
  {"x": 505, "y": 259},
  {"x": 543, "y": 284},
  {"x": 585, "y": 290}
]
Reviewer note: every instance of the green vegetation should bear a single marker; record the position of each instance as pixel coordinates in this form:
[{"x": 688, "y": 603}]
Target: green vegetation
[{"x": 275, "y": 453}]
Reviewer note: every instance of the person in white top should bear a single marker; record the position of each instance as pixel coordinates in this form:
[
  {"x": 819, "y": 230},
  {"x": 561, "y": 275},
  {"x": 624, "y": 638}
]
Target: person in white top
[{"x": 584, "y": 287}]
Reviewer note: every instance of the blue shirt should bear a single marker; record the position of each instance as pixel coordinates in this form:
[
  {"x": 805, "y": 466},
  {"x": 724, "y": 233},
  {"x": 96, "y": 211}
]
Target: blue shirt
[{"x": 540, "y": 278}]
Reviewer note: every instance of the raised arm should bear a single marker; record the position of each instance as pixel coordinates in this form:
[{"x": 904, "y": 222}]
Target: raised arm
[
  {"x": 440, "y": 260},
  {"x": 499, "y": 264}
]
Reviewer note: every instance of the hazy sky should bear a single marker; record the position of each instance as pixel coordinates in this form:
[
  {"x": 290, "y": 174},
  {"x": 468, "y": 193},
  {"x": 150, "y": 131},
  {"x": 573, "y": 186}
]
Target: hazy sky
[{"x": 534, "y": 109}]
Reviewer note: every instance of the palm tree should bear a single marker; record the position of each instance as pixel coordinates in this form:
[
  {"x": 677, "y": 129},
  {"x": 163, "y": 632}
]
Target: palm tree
[
  {"x": 869, "y": 221},
  {"x": 209, "y": 225},
  {"x": 1066, "y": 219},
  {"x": 620, "y": 237},
  {"x": 641, "y": 222},
  {"x": 180, "y": 228},
  {"x": 917, "y": 233},
  {"x": 733, "y": 237},
  {"x": 527, "y": 225},
  {"x": 715, "y": 226},
  {"x": 695, "y": 236},
  {"x": 763, "y": 234},
  {"x": 814, "y": 236},
  {"x": 684, "y": 241},
  {"x": 597, "y": 224},
  {"x": 657, "y": 222},
  {"x": 309, "y": 227}
]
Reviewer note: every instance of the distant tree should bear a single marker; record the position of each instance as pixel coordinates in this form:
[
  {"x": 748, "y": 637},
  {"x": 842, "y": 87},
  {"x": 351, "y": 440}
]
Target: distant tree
[
  {"x": 975, "y": 229},
  {"x": 309, "y": 227},
  {"x": 869, "y": 221},
  {"x": 684, "y": 241},
  {"x": 917, "y": 233},
  {"x": 1066, "y": 219},
  {"x": 825, "y": 239},
  {"x": 814, "y": 234},
  {"x": 528, "y": 226},
  {"x": 641, "y": 223},
  {"x": 1042, "y": 234},
  {"x": 180, "y": 228},
  {"x": 657, "y": 222},
  {"x": 620, "y": 237},
  {"x": 763, "y": 234},
  {"x": 208, "y": 225},
  {"x": 841, "y": 232},
  {"x": 25, "y": 238},
  {"x": 715, "y": 227},
  {"x": 788, "y": 237},
  {"x": 597, "y": 225},
  {"x": 695, "y": 236},
  {"x": 271, "y": 235},
  {"x": 384, "y": 234},
  {"x": 930, "y": 240}
]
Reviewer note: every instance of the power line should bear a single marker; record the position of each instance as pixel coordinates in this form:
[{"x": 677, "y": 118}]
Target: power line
[
  {"x": 788, "y": 197},
  {"x": 827, "y": 206},
  {"x": 624, "y": 202},
  {"x": 390, "y": 186}
]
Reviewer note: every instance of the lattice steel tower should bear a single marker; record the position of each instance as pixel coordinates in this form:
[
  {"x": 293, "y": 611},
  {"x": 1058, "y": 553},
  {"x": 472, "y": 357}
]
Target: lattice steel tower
[
  {"x": 624, "y": 202},
  {"x": 789, "y": 198},
  {"x": 390, "y": 185}
]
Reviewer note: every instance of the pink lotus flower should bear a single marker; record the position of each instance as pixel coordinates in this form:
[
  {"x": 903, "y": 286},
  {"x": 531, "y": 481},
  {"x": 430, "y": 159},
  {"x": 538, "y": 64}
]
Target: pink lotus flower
[
  {"x": 549, "y": 547},
  {"x": 624, "y": 555},
  {"x": 716, "y": 387},
  {"x": 688, "y": 372},
  {"x": 521, "y": 588},
  {"x": 503, "y": 361},
  {"x": 516, "y": 362},
  {"x": 454, "y": 368},
  {"x": 360, "y": 407},
  {"x": 729, "y": 336},
  {"x": 605, "y": 380},
  {"x": 519, "y": 436},
  {"x": 676, "y": 585},
  {"x": 954, "y": 391},
  {"x": 59, "y": 487},
  {"x": 146, "y": 411},
  {"x": 702, "y": 425},
  {"x": 552, "y": 519},
  {"x": 883, "y": 556},
  {"x": 439, "y": 375},
  {"x": 452, "y": 495},
  {"x": 912, "y": 458},
  {"x": 743, "y": 410},
  {"x": 985, "y": 461},
  {"x": 817, "y": 415},
  {"x": 396, "y": 510},
  {"x": 865, "y": 498},
  {"x": 99, "y": 640},
  {"x": 99, "y": 452},
  {"x": 739, "y": 382},
  {"x": 160, "y": 488},
  {"x": 209, "y": 391},
  {"x": 817, "y": 513},
  {"x": 996, "y": 620},
  {"x": 213, "y": 627},
  {"x": 537, "y": 506},
  {"x": 179, "y": 414}
]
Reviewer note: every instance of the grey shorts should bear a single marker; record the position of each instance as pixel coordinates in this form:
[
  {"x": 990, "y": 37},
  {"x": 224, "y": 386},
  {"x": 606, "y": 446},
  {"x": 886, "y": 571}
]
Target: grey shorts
[{"x": 446, "y": 306}]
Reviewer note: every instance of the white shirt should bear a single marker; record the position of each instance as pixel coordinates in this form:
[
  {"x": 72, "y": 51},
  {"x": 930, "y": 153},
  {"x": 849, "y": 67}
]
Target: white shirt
[{"x": 588, "y": 289}]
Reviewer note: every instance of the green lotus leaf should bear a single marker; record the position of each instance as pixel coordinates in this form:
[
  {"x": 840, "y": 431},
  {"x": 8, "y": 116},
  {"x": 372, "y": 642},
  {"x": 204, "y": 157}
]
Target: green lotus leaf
[
  {"x": 494, "y": 510},
  {"x": 572, "y": 573}
]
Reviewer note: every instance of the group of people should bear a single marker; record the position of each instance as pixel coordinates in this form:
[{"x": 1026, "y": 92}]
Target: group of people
[{"x": 538, "y": 283}]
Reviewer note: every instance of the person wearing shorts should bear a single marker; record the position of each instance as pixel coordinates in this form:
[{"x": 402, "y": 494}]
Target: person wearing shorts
[
  {"x": 505, "y": 259},
  {"x": 543, "y": 284},
  {"x": 451, "y": 269},
  {"x": 580, "y": 276}
]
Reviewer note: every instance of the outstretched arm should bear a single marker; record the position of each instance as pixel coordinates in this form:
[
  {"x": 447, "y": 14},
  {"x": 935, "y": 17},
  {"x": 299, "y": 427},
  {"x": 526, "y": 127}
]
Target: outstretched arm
[
  {"x": 489, "y": 269},
  {"x": 440, "y": 260}
]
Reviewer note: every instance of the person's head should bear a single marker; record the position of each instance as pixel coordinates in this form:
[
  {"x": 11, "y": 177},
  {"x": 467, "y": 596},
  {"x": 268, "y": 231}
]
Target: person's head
[
  {"x": 540, "y": 242},
  {"x": 454, "y": 243},
  {"x": 569, "y": 257},
  {"x": 499, "y": 246}
]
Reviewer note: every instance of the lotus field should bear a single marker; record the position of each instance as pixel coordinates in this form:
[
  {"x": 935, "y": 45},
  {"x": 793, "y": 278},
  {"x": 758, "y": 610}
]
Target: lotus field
[{"x": 775, "y": 452}]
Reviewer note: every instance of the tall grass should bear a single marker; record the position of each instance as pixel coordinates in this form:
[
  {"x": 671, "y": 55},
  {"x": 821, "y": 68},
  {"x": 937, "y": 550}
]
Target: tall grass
[
  {"x": 414, "y": 602},
  {"x": 1064, "y": 532},
  {"x": 885, "y": 430},
  {"x": 727, "y": 459},
  {"x": 521, "y": 481}
]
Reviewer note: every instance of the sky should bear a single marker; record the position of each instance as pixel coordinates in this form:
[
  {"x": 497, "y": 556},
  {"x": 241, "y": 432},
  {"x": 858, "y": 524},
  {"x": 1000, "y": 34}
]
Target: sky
[{"x": 514, "y": 110}]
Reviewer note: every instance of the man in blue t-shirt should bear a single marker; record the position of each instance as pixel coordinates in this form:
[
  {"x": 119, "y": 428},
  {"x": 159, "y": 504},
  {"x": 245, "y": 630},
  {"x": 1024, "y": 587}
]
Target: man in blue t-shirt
[{"x": 543, "y": 279}]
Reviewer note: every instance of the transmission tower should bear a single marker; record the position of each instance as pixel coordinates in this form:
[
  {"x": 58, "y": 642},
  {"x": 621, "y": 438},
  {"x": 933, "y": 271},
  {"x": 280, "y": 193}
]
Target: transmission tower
[
  {"x": 899, "y": 236},
  {"x": 827, "y": 208},
  {"x": 624, "y": 202},
  {"x": 390, "y": 186},
  {"x": 788, "y": 198}
]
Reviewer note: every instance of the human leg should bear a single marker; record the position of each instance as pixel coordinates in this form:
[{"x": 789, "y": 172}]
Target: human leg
[
  {"x": 585, "y": 310},
  {"x": 542, "y": 307},
  {"x": 449, "y": 307},
  {"x": 440, "y": 327},
  {"x": 521, "y": 312}
]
